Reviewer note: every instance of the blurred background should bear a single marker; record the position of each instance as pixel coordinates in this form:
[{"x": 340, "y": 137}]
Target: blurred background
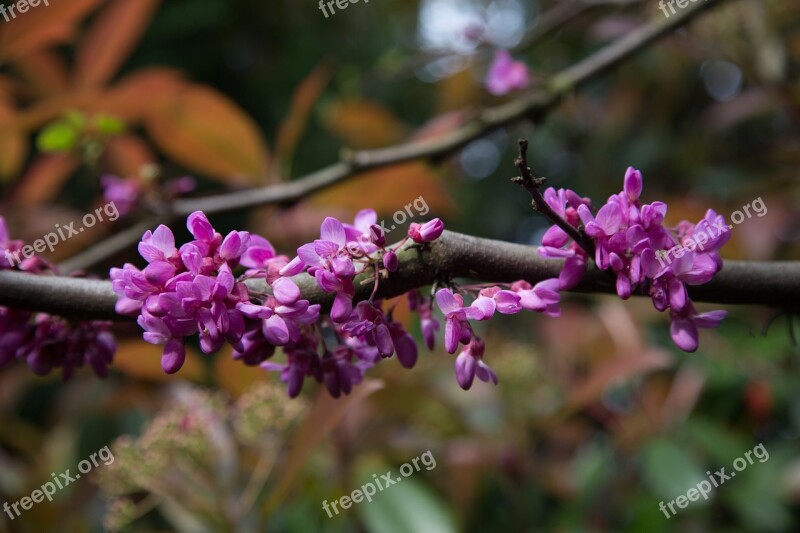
[{"x": 597, "y": 417}]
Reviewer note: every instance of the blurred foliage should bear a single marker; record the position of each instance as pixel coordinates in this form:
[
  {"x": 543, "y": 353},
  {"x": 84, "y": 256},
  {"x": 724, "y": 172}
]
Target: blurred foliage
[{"x": 596, "y": 419}]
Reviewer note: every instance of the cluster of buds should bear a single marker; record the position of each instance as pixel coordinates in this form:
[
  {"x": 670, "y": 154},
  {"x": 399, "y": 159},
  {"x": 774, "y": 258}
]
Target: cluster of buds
[{"x": 46, "y": 342}]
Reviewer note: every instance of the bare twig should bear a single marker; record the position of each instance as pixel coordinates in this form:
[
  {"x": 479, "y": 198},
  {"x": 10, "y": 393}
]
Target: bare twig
[
  {"x": 532, "y": 105},
  {"x": 531, "y": 184}
]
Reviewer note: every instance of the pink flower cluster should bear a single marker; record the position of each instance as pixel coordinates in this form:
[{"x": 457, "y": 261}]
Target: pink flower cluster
[
  {"x": 543, "y": 297},
  {"x": 628, "y": 237},
  {"x": 45, "y": 341},
  {"x": 192, "y": 290}
]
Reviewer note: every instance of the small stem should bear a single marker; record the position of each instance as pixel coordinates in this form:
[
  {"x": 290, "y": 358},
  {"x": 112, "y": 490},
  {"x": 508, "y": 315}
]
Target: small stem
[
  {"x": 377, "y": 280},
  {"x": 531, "y": 184}
]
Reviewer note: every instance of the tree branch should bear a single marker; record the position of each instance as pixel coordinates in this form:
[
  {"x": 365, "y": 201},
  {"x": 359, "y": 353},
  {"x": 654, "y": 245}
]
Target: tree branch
[
  {"x": 532, "y": 105},
  {"x": 453, "y": 255}
]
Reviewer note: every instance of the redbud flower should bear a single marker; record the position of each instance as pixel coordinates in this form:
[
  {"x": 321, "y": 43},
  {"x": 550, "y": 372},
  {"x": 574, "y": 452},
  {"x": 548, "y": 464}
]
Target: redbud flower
[
  {"x": 427, "y": 232},
  {"x": 390, "y": 261},
  {"x": 506, "y": 75},
  {"x": 122, "y": 192},
  {"x": 469, "y": 364}
]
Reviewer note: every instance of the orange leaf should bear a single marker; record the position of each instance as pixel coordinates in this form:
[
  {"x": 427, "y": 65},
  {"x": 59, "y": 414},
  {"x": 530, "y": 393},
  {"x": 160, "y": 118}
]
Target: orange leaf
[
  {"x": 13, "y": 144},
  {"x": 43, "y": 26},
  {"x": 126, "y": 154},
  {"x": 43, "y": 180},
  {"x": 292, "y": 128},
  {"x": 144, "y": 90},
  {"x": 205, "y": 131},
  {"x": 142, "y": 360},
  {"x": 45, "y": 71},
  {"x": 110, "y": 40},
  {"x": 389, "y": 189},
  {"x": 362, "y": 124}
]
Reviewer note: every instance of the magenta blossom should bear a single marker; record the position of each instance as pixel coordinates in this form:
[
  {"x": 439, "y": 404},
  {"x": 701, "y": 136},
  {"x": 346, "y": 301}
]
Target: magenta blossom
[
  {"x": 124, "y": 193},
  {"x": 630, "y": 240},
  {"x": 506, "y": 75},
  {"x": 427, "y": 232},
  {"x": 469, "y": 364}
]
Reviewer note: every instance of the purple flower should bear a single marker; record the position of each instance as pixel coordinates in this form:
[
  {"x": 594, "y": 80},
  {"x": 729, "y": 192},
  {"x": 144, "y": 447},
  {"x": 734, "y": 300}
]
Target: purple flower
[
  {"x": 506, "y": 75},
  {"x": 457, "y": 328},
  {"x": 633, "y": 184},
  {"x": 122, "y": 192},
  {"x": 365, "y": 235},
  {"x": 370, "y": 325},
  {"x": 329, "y": 260},
  {"x": 55, "y": 343},
  {"x": 390, "y": 261},
  {"x": 631, "y": 241},
  {"x": 427, "y": 232},
  {"x": 158, "y": 245},
  {"x": 179, "y": 187},
  {"x": 683, "y": 328},
  {"x": 302, "y": 361},
  {"x": 469, "y": 364},
  {"x": 543, "y": 297},
  {"x": 339, "y": 373},
  {"x": 404, "y": 345},
  {"x": 49, "y": 342},
  {"x": 428, "y": 323}
]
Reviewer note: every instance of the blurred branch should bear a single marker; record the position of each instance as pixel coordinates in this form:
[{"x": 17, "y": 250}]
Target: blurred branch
[
  {"x": 532, "y": 106},
  {"x": 453, "y": 255}
]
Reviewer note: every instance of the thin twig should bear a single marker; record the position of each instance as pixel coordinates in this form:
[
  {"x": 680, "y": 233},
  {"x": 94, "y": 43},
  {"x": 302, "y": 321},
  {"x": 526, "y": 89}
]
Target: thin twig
[
  {"x": 532, "y": 106},
  {"x": 531, "y": 184}
]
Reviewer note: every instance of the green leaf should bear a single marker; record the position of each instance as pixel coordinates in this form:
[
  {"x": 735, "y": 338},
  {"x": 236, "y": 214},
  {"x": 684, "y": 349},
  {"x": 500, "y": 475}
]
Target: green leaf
[
  {"x": 669, "y": 470},
  {"x": 57, "y": 137},
  {"x": 407, "y": 506},
  {"x": 108, "y": 125}
]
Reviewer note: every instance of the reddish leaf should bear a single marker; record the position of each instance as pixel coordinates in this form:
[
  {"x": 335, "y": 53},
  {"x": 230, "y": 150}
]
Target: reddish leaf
[
  {"x": 207, "y": 132},
  {"x": 143, "y": 91},
  {"x": 13, "y": 144},
  {"x": 389, "y": 190},
  {"x": 292, "y": 128},
  {"x": 362, "y": 124},
  {"x": 45, "y": 71},
  {"x": 43, "y": 180},
  {"x": 126, "y": 154},
  {"x": 111, "y": 38},
  {"x": 43, "y": 26}
]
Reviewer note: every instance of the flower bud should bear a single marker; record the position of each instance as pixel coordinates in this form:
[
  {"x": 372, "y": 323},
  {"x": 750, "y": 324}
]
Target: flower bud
[
  {"x": 428, "y": 232},
  {"x": 390, "y": 261},
  {"x": 376, "y": 235}
]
